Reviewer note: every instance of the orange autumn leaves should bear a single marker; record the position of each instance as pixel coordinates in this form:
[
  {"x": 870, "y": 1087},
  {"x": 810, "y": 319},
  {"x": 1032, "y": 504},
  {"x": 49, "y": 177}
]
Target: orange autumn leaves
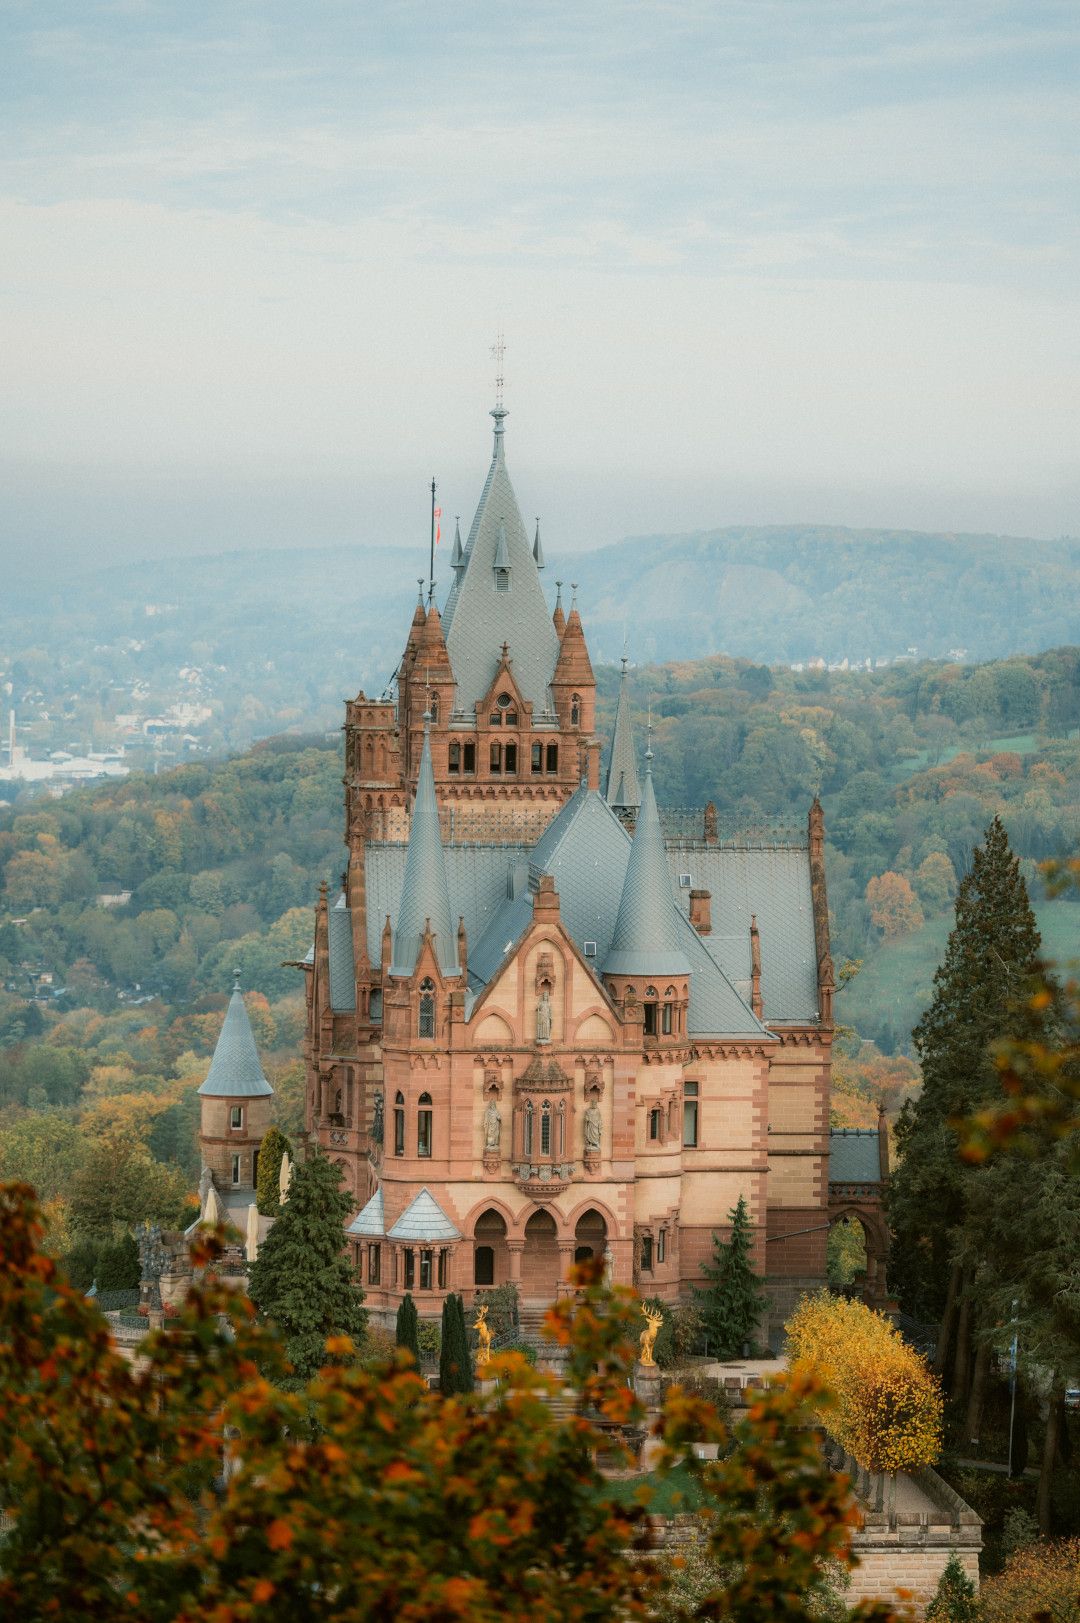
[{"x": 886, "y": 1407}]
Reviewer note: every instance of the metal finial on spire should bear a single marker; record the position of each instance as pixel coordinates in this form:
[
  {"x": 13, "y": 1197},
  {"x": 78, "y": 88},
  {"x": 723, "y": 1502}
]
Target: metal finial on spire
[
  {"x": 573, "y": 599},
  {"x": 498, "y": 351},
  {"x": 420, "y": 584},
  {"x": 558, "y": 591},
  {"x": 648, "y": 744},
  {"x": 236, "y": 979}
]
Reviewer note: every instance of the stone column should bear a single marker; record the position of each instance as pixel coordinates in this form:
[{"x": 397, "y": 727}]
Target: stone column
[
  {"x": 514, "y": 1248},
  {"x": 566, "y": 1262}
]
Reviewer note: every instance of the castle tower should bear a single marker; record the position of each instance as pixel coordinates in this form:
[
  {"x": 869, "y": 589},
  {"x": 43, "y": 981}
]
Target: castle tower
[{"x": 234, "y": 1107}]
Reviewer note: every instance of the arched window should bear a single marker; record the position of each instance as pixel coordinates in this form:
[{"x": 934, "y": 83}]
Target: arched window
[
  {"x": 433, "y": 707},
  {"x": 375, "y": 1006},
  {"x": 538, "y": 757},
  {"x": 423, "y": 1125},
  {"x": 552, "y": 758},
  {"x": 656, "y": 1117},
  {"x": 545, "y": 1127},
  {"x": 575, "y": 710},
  {"x": 469, "y": 762},
  {"x": 484, "y": 1265},
  {"x": 666, "y": 1020},
  {"x": 527, "y": 1127},
  {"x": 651, "y": 996},
  {"x": 496, "y": 758},
  {"x": 426, "y": 1027},
  {"x": 646, "y": 1252},
  {"x": 454, "y": 758},
  {"x": 510, "y": 759},
  {"x": 399, "y": 1124}
]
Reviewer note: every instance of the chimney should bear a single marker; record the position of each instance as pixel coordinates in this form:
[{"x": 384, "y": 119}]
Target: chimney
[{"x": 701, "y": 911}]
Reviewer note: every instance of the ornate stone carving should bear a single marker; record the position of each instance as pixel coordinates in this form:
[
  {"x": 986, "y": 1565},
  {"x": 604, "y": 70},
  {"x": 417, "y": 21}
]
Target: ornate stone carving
[
  {"x": 543, "y": 1017},
  {"x": 592, "y": 1127},
  {"x": 377, "y": 1118},
  {"x": 492, "y": 1128}
]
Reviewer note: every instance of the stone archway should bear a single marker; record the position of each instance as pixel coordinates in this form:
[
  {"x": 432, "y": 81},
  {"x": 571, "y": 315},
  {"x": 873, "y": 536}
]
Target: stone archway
[
  {"x": 590, "y": 1235},
  {"x": 540, "y": 1259},
  {"x": 867, "y": 1217},
  {"x": 490, "y": 1256}
]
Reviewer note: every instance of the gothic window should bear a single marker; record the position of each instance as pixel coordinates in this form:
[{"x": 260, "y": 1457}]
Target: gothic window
[
  {"x": 374, "y": 1262},
  {"x": 423, "y": 1125},
  {"x": 375, "y": 1006},
  {"x": 399, "y": 1124},
  {"x": 650, "y": 1004},
  {"x": 410, "y": 1268},
  {"x": 495, "y": 718},
  {"x": 553, "y": 757},
  {"x": 690, "y": 1114},
  {"x": 484, "y": 1265},
  {"x": 454, "y": 758},
  {"x": 433, "y": 707},
  {"x": 469, "y": 761},
  {"x": 575, "y": 710},
  {"x": 510, "y": 758},
  {"x": 666, "y": 1023},
  {"x": 646, "y": 1252},
  {"x": 425, "y": 1270},
  {"x": 496, "y": 757},
  {"x": 426, "y": 1027},
  {"x": 527, "y": 1127},
  {"x": 661, "y": 1245},
  {"x": 656, "y": 1117},
  {"x": 236, "y": 1117},
  {"x": 545, "y": 1127},
  {"x": 538, "y": 757}
]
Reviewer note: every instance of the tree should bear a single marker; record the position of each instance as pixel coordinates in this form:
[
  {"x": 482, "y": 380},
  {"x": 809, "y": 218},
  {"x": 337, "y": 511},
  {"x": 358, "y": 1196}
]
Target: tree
[
  {"x": 120, "y": 1185},
  {"x": 273, "y": 1147},
  {"x": 118, "y": 1265},
  {"x": 455, "y": 1363},
  {"x": 935, "y": 882},
  {"x": 955, "y": 1598},
  {"x": 733, "y": 1301},
  {"x": 301, "y": 1279},
  {"x": 991, "y": 957},
  {"x": 407, "y": 1329},
  {"x": 894, "y": 906}
]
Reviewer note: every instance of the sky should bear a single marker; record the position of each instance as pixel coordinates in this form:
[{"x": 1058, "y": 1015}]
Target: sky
[{"x": 756, "y": 262}]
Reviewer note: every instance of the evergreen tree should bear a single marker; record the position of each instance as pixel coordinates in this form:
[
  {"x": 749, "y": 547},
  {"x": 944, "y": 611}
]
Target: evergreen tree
[
  {"x": 990, "y": 961},
  {"x": 455, "y": 1363},
  {"x": 407, "y": 1332},
  {"x": 118, "y": 1265},
  {"x": 302, "y": 1279},
  {"x": 733, "y": 1300},
  {"x": 271, "y": 1150},
  {"x": 955, "y": 1599}
]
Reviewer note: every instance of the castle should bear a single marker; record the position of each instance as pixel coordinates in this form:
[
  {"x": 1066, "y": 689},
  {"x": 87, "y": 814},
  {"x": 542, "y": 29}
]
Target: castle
[{"x": 541, "y": 1024}]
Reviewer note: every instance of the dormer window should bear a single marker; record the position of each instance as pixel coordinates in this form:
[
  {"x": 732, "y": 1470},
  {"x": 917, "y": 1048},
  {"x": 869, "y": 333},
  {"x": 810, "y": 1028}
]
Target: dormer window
[{"x": 502, "y": 580}]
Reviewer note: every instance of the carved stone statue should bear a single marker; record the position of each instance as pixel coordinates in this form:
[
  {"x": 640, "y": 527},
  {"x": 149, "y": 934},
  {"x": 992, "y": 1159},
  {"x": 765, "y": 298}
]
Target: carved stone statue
[
  {"x": 492, "y": 1126},
  {"x": 377, "y": 1119},
  {"x": 592, "y": 1125},
  {"x": 647, "y": 1339},
  {"x": 543, "y": 1018}
]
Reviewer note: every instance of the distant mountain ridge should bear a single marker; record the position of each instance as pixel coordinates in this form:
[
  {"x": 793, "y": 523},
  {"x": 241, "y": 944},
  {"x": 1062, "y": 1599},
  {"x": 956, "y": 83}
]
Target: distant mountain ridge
[{"x": 774, "y": 595}]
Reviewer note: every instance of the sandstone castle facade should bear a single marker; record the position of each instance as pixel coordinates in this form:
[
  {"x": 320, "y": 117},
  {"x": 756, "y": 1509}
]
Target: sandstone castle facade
[{"x": 539, "y": 1024}]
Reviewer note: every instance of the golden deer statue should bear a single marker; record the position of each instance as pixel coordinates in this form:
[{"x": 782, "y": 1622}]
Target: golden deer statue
[
  {"x": 654, "y": 1319},
  {"x": 483, "y": 1335}
]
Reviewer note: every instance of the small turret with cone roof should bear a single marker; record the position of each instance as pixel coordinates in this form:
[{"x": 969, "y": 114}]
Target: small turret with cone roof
[
  {"x": 623, "y": 793},
  {"x": 558, "y": 619},
  {"x": 425, "y": 895},
  {"x": 234, "y": 1105}
]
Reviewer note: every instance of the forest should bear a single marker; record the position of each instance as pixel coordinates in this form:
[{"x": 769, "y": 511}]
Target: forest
[{"x": 108, "y": 1012}]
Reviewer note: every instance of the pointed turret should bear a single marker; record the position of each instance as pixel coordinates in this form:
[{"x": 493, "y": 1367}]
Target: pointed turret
[
  {"x": 558, "y": 619},
  {"x": 648, "y": 935},
  {"x": 573, "y": 667},
  {"x": 457, "y": 555},
  {"x": 235, "y": 1071},
  {"x": 502, "y": 552},
  {"x": 623, "y": 791},
  {"x": 425, "y": 895},
  {"x": 538, "y": 551}
]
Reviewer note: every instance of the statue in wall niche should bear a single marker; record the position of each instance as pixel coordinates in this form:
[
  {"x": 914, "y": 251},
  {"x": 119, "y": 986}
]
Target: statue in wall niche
[
  {"x": 492, "y": 1127},
  {"x": 543, "y": 1017},
  {"x": 592, "y": 1125},
  {"x": 377, "y": 1120}
]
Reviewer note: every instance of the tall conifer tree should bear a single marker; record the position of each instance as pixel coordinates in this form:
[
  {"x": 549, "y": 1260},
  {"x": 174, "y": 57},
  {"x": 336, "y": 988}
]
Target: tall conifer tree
[
  {"x": 991, "y": 961},
  {"x": 273, "y": 1147},
  {"x": 407, "y": 1330},
  {"x": 302, "y": 1279},
  {"x": 732, "y": 1302},
  {"x": 455, "y": 1363}
]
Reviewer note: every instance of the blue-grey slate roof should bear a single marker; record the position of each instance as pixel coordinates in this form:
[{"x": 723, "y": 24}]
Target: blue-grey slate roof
[
  {"x": 425, "y": 895},
  {"x": 235, "y": 1071},
  {"x": 342, "y": 960},
  {"x": 623, "y": 788},
  {"x": 424, "y": 1220},
  {"x": 478, "y": 619},
  {"x": 647, "y": 939},
  {"x": 370, "y": 1220},
  {"x": 853, "y": 1155}
]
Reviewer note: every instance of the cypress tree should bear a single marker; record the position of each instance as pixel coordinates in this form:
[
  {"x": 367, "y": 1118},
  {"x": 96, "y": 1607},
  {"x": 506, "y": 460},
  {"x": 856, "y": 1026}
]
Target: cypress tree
[
  {"x": 455, "y": 1363},
  {"x": 733, "y": 1301},
  {"x": 302, "y": 1279},
  {"x": 407, "y": 1330},
  {"x": 990, "y": 962},
  {"x": 271, "y": 1150}
]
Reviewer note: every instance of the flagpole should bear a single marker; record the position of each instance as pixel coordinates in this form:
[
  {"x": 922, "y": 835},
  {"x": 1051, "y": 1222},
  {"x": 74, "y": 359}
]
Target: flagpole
[{"x": 431, "y": 566}]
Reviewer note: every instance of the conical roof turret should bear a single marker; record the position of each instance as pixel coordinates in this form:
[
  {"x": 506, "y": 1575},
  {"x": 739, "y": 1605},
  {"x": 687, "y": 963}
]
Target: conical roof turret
[
  {"x": 573, "y": 667},
  {"x": 558, "y": 619},
  {"x": 538, "y": 551},
  {"x": 235, "y": 1070},
  {"x": 648, "y": 931},
  {"x": 623, "y": 790},
  {"x": 457, "y": 556},
  {"x": 425, "y": 895}
]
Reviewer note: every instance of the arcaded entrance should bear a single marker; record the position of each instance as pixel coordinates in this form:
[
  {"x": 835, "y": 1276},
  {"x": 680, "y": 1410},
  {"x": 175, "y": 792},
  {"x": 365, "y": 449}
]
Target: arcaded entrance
[
  {"x": 590, "y": 1236},
  {"x": 490, "y": 1261},
  {"x": 540, "y": 1259}
]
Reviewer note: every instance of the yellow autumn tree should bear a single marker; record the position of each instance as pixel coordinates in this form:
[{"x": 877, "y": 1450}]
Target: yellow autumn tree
[
  {"x": 887, "y": 1408},
  {"x": 894, "y": 906}
]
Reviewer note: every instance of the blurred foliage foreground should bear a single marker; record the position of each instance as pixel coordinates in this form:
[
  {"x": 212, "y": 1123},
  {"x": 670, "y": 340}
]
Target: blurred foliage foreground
[{"x": 190, "y": 1485}]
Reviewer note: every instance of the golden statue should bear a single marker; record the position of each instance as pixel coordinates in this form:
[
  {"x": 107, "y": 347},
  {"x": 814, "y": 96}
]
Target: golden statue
[
  {"x": 483, "y": 1332},
  {"x": 649, "y": 1335}
]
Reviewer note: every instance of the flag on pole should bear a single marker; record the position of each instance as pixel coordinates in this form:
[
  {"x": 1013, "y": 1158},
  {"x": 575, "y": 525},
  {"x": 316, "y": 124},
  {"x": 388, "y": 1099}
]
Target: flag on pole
[{"x": 438, "y": 525}]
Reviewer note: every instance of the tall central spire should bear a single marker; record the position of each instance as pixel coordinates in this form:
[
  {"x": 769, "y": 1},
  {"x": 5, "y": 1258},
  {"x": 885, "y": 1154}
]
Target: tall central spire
[
  {"x": 425, "y": 895},
  {"x": 647, "y": 931},
  {"x": 623, "y": 792}
]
